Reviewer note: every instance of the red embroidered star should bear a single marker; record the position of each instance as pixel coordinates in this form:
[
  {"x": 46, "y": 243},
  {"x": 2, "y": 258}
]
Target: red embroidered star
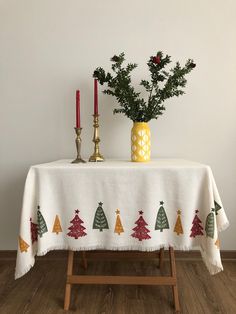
[
  {"x": 76, "y": 211},
  {"x": 196, "y": 211},
  {"x": 140, "y": 212}
]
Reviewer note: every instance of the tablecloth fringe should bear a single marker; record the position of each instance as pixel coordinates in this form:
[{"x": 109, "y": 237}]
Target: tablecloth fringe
[
  {"x": 213, "y": 265},
  {"x": 25, "y": 270},
  {"x": 224, "y": 226},
  {"x": 115, "y": 248}
]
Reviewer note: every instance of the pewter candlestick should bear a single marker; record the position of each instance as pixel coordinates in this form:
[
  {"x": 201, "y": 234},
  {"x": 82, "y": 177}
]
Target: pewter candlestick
[{"x": 78, "y": 146}]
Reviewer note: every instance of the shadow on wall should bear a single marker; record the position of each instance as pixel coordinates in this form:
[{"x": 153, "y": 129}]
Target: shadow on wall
[
  {"x": 11, "y": 197},
  {"x": 10, "y": 204}
]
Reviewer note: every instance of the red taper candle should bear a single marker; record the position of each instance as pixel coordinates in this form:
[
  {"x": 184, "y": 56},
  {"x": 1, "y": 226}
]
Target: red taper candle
[
  {"x": 95, "y": 96},
  {"x": 78, "y": 109}
]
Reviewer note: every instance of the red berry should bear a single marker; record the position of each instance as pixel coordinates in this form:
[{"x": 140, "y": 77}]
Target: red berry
[{"x": 156, "y": 59}]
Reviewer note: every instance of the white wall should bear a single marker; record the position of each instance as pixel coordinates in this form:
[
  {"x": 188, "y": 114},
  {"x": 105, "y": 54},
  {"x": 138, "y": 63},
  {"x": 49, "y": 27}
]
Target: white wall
[{"x": 49, "y": 48}]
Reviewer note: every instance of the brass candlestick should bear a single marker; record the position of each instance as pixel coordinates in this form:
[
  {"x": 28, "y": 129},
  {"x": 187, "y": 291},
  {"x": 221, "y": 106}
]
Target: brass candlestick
[
  {"x": 96, "y": 156},
  {"x": 78, "y": 146}
]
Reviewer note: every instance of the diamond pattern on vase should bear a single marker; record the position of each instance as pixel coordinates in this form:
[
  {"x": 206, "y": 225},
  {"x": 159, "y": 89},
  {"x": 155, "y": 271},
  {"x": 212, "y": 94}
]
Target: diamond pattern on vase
[{"x": 141, "y": 144}]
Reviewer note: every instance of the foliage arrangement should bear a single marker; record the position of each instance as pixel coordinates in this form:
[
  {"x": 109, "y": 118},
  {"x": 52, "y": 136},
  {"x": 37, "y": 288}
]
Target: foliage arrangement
[{"x": 163, "y": 84}]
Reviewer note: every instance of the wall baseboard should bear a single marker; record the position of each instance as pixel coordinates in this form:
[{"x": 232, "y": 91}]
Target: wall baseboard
[{"x": 62, "y": 254}]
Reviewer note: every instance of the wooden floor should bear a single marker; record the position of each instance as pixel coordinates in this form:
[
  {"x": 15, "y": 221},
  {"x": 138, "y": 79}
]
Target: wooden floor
[{"x": 42, "y": 289}]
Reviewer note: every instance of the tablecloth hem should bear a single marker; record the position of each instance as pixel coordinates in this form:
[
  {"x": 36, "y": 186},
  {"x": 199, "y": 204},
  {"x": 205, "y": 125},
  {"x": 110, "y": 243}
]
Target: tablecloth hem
[
  {"x": 212, "y": 265},
  {"x": 25, "y": 271},
  {"x": 120, "y": 248}
]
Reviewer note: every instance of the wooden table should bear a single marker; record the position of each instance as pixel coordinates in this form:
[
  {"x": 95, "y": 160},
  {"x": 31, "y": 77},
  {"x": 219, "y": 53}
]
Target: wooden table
[
  {"x": 88, "y": 207},
  {"x": 170, "y": 280}
]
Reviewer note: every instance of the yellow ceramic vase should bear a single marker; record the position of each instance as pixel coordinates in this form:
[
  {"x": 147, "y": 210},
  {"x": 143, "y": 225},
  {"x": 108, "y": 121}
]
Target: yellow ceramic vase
[{"x": 140, "y": 142}]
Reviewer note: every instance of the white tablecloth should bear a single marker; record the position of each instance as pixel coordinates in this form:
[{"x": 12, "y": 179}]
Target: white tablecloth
[{"x": 120, "y": 205}]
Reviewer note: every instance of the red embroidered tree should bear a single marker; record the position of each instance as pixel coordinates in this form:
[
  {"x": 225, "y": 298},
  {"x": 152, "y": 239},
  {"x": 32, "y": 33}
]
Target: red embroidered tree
[
  {"x": 196, "y": 228},
  {"x": 76, "y": 230},
  {"x": 34, "y": 231},
  {"x": 140, "y": 231}
]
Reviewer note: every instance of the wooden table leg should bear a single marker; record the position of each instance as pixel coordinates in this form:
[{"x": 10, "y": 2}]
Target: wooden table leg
[
  {"x": 68, "y": 285},
  {"x": 84, "y": 260},
  {"x": 130, "y": 280},
  {"x": 161, "y": 258},
  {"x": 173, "y": 274}
]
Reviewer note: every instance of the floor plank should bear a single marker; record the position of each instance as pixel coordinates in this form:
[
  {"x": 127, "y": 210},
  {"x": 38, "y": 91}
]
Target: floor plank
[{"x": 41, "y": 291}]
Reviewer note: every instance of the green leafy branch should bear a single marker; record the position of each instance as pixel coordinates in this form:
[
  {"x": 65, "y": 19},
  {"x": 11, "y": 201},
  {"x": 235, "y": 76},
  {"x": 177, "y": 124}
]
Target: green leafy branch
[{"x": 162, "y": 85}]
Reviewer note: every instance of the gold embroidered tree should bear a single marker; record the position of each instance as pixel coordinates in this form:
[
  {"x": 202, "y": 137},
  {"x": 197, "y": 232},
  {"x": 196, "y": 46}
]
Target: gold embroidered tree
[
  {"x": 178, "y": 225},
  {"x": 118, "y": 226},
  {"x": 23, "y": 245},
  {"x": 217, "y": 243},
  {"x": 57, "y": 226}
]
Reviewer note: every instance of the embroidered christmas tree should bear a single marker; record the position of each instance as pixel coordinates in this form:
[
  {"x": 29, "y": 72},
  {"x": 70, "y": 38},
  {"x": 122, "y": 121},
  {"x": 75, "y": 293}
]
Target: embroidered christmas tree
[
  {"x": 196, "y": 228},
  {"x": 100, "y": 220},
  {"x": 76, "y": 230},
  {"x": 140, "y": 231},
  {"x": 34, "y": 231},
  {"x": 217, "y": 243},
  {"x": 118, "y": 226},
  {"x": 217, "y": 207},
  {"x": 161, "y": 220},
  {"x": 178, "y": 225},
  {"x": 210, "y": 224},
  {"x": 23, "y": 245},
  {"x": 57, "y": 225},
  {"x": 42, "y": 227}
]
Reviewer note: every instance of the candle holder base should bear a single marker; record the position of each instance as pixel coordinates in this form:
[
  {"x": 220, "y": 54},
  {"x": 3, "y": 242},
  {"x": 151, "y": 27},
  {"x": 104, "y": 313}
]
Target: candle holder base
[
  {"x": 78, "y": 160},
  {"x": 96, "y": 158}
]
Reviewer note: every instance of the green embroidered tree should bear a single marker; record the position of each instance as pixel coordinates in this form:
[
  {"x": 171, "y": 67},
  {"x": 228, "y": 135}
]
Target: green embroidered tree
[
  {"x": 161, "y": 220},
  {"x": 100, "y": 220},
  {"x": 217, "y": 207},
  {"x": 210, "y": 224},
  {"x": 42, "y": 227}
]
